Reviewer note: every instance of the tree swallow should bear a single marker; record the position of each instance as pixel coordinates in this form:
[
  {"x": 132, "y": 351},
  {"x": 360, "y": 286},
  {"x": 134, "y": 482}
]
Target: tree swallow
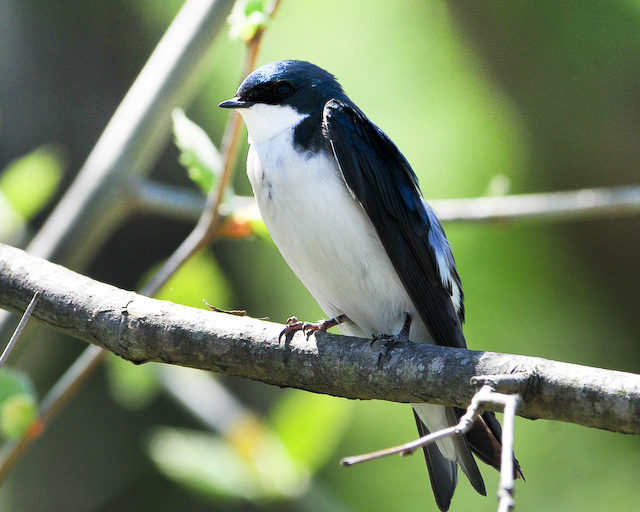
[{"x": 345, "y": 210}]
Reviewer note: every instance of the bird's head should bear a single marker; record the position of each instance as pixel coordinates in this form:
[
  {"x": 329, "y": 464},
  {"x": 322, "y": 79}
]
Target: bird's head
[{"x": 279, "y": 95}]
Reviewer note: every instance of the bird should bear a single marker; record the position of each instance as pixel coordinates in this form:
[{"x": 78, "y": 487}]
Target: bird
[{"x": 345, "y": 210}]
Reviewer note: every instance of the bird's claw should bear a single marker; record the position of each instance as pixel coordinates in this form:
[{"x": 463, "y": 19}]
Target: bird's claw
[
  {"x": 390, "y": 341},
  {"x": 308, "y": 328},
  {"x": 292, "y": 325}
]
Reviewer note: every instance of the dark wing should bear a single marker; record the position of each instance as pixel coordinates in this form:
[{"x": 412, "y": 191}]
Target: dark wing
[{"x": 380, "y": 178}]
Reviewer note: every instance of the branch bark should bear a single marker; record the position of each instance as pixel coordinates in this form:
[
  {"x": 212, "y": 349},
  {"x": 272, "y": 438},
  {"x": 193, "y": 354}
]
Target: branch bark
[{"x": 141, "y": 329}]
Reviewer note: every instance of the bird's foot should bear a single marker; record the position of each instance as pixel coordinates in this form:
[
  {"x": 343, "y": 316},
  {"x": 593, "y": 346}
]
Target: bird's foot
[
  {"x": 308, "y": 328},
  {"x": 391, "y": 340}
]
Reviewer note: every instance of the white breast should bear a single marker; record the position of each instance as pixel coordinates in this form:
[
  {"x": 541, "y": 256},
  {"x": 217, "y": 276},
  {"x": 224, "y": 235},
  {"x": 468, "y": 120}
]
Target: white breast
[{"x": 326, "y": 237}]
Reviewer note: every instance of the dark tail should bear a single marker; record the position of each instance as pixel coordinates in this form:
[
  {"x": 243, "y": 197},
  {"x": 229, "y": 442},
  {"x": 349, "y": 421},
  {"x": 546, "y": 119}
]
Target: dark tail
[{"x": 484, "y": 440}]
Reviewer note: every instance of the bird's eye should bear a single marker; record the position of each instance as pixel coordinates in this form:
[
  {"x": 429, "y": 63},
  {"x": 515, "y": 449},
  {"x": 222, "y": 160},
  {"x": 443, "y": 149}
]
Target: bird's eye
[{"x": 282, "y": 88}]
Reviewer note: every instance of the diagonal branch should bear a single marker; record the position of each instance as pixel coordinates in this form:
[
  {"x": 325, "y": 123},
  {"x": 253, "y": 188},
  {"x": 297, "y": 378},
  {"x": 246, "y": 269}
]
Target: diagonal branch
[{"x": 142, "y": 329}]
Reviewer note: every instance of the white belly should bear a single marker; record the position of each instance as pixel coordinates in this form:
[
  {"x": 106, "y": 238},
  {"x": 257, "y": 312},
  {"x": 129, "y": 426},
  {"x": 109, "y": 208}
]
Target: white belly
[{"x": 327, "y": 239}]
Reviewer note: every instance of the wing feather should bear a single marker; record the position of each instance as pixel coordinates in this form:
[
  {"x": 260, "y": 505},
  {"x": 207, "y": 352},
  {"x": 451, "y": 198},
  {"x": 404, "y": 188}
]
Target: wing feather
[{"x": 380, "y": 178}]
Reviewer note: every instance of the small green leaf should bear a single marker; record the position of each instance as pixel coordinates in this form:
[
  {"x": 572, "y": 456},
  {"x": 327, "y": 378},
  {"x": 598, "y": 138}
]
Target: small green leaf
[
  {"x": 17, "y": 414},
  {"x": 247, "y": 17},
  {"x": 310, "y": 425},
  {"x": 18, "y": 403},
  {"x": 132, "y": 386},
  {"x": 29, "y": 182},
  {"x": 197, "y": 153}
]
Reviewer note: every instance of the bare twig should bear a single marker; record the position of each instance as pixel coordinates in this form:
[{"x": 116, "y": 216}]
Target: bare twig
[
  {"x": 506, "y": 489},
  {"x": 485, "y": 396},
  {"x": 141, "y": 329},
  {"x": 19, "y": 328},
  {"x": 466, "y": 422}
]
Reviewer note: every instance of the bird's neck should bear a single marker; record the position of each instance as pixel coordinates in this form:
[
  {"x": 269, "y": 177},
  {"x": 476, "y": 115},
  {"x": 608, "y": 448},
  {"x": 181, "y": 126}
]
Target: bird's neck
[{"x": 265, "y": 122}]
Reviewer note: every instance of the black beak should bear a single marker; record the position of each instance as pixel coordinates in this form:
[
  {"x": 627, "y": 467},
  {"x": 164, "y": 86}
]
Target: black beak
[{"x": 236, "y": 102}]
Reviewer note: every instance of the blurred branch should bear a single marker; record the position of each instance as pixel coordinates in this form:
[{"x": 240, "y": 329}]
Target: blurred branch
[
  {"x": 169, "y": 200},
  {"x": 209, "y": 222},
  {"x": 102, "y": 195},
  {"x": 575, "y": 204},
  {"x": 183, "y": 203},
  {"x": 141, "y": 329},
  {"x": 590, "y": 203}
]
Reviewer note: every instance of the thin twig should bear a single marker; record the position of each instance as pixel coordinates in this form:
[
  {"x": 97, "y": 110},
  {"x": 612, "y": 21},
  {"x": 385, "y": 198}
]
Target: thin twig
[
  {"x": 466, "y": 422},
  {"x": 506, "y": 488},
  {"x": 486, "y": 395},
  {"x": 20, "y": 328}
]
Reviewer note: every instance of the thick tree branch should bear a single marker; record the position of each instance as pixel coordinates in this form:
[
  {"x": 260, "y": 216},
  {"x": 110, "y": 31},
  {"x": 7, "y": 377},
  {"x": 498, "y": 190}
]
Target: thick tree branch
[{"x": 142, "y": 329}]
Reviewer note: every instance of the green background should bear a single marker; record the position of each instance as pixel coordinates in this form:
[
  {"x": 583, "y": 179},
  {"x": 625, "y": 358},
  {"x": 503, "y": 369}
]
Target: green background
[{"x": 546, "y": 94}]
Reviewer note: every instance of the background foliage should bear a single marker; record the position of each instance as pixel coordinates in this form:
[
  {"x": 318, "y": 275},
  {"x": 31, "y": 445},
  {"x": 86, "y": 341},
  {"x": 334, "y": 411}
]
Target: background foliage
[{"x": 544, "y": 94}]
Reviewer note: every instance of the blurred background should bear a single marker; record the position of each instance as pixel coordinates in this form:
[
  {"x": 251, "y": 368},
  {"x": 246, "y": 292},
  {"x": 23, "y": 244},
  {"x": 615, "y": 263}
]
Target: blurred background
[{"x": 482, "y": 98}]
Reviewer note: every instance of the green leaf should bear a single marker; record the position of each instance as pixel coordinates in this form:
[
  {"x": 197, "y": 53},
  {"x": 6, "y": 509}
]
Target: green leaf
[
  {"x": 18, "y": 403},
  {"x": 29, "y": 182},
  {"x": 214, "y": 468},
  {"x": 247, "y": 17},
  {"x": 310, "y": 425},
  {"x": 132, "y": 386},
  {"x": 197, "y": 153},
  {"x": 17, "y": 414}
]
